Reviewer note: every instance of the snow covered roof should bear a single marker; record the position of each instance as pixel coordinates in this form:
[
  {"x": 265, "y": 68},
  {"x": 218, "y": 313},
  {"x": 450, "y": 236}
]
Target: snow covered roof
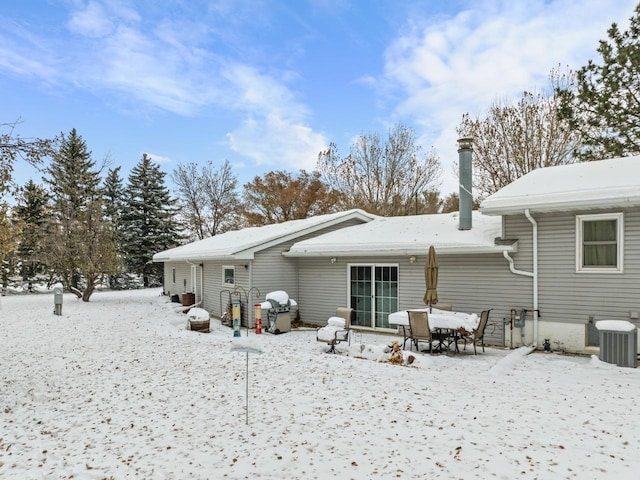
[
  {"x": 598, "y": 184},
  {"x": 410, "y": 235},
  {"x": 242, "y": 244}
]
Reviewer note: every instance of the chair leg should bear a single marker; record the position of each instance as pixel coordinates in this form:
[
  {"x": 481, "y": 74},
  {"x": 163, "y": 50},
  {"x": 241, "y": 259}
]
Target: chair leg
[{"x": 475, "y": 352}]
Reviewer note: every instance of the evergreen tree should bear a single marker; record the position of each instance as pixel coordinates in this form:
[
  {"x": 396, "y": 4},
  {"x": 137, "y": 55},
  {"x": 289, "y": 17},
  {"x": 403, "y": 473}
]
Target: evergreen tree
[
  {"x": 114, "y": 205},
  {"x": 113, "y": 195},
  {"x": 32, "y": 209},
  {"x": 80, "y": 245},
  {"x": 148, "y": 223},
  {"x": 604, "y": 105}
]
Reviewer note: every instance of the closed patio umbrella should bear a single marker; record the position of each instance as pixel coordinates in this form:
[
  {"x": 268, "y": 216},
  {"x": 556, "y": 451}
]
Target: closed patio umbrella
[{"x": 431, "y": 278}]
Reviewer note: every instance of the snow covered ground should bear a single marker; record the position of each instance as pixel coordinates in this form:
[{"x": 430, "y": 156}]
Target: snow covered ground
[{"x": 118, "y": 388}]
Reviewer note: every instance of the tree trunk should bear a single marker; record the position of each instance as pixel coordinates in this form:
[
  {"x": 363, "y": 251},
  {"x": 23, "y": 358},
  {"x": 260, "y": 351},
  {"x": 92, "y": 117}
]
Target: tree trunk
[{"x": 89, "y": 289}]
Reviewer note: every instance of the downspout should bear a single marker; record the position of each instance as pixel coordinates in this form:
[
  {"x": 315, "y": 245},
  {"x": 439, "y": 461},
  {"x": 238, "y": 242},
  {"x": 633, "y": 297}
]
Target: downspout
[
  {"x": 202, "y": 283},
  {"x": 534, "y": 224},
  {"x": 533, "y": 275},
  {"x": 197, "y": 304}
]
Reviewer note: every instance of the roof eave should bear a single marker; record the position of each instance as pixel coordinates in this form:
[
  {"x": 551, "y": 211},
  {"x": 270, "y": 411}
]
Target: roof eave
[
  {"x": 512, "y": 209},
  {"x": 441, "y": 250},
  {"x": 198, "y": 258}
]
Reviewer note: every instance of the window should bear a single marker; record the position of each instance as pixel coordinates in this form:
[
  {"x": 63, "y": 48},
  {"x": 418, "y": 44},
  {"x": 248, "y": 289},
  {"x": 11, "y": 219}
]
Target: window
[
  {"x": 599, "y": 242},
  {"x": 228, "y": 275},
  {"x": 173, "y": 273}
]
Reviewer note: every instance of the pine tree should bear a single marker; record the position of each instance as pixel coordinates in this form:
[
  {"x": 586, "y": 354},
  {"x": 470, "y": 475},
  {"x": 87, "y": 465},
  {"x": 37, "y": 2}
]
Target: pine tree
[
  {"x": 114, "y": 205},
  {"x": 148, "y": 224},
  {"x": 604, "y": 106},
  {"x": 80, "y": 245},
  {"x": 113, "y": 195},
  {"x": 32, "y": 209}
]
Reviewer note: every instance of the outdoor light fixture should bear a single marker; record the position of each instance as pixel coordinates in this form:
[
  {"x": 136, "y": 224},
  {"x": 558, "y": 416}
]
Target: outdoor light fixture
[
  {"x": 412, "y": 259},
  {"x": 334, "y": 259}
]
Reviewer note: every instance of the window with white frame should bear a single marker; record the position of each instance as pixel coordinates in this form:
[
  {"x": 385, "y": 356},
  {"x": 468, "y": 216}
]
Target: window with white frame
[
  {"x": 228, "y": 274},
  {"x": 599, "y": 242}
]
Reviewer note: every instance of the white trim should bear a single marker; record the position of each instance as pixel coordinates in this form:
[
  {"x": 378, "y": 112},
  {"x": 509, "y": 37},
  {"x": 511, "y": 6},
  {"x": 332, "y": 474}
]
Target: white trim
[
  {"x": 228, "y": 267},
  {"x": 580, "y": 219},
  {"x": 194, "y": 279},
  {"x": 372, "y": 266},
  {"x": 377, "y": 251}
]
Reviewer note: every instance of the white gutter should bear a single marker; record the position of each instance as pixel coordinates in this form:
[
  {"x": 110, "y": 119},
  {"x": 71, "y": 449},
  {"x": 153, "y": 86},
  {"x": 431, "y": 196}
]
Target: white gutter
[
  {"x": 364, "y": 251},
  {"x": 533, "y": 275}
]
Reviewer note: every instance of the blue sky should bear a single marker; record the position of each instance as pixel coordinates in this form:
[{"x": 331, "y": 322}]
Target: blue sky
[{"x": 267, "y": 84}]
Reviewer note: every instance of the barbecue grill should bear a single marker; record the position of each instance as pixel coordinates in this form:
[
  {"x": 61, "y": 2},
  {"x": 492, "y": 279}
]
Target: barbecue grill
[{"x": 277, "y": 311}]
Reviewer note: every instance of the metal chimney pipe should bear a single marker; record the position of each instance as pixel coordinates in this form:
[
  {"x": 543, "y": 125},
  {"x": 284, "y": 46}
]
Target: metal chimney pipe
[{"x": 465, "y": 197}]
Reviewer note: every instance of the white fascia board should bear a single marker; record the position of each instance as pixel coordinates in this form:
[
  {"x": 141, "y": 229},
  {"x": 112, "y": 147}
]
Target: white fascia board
[
  {"x": 508, "y": 208},
  {"x": 441, "y": 250},
  {"x": 197, "y": 258},
  {"x": 249, "y": 253}
]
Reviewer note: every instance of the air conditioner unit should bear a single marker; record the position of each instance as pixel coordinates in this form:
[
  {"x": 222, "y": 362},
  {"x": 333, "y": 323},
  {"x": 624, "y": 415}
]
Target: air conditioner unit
[{"x": 618, "y": 346}]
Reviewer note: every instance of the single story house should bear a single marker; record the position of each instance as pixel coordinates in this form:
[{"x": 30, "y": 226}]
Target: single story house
[
  {"x": 244, "y": 265},
  {"x": 562, "y": 243},
  {"x": 578, "y": 232}
]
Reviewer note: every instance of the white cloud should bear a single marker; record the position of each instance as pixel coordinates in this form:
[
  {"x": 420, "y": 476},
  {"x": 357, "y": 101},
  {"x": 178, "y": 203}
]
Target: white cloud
[
  {"x": 442, "y": 69},
  {"x": 274, "y": 141},
  {"x": 92, "y": 21},
  {"x": 275, "y": 131},
  {"x": 158, "y": 158}
]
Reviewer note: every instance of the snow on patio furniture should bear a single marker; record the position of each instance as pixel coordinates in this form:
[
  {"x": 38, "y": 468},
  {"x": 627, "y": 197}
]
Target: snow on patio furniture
[
  {"x": 198, "y": 320},
  {"x": 337, "y": 329},
  {"x": 420, "y": 331},
  {"x": 477, "y": 334}
]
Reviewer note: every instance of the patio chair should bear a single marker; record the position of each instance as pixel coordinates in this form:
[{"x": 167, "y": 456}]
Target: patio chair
[
  {"x": 332, "y": 335},
  {"x": 419, "y": 330},
  {"x": 477, "y": 335}
]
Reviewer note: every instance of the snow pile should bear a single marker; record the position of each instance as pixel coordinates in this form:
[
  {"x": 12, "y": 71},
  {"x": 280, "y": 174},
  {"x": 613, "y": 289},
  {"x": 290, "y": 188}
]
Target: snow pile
[
  {"x": 120, "y": 388},
  {"x": 198, "y": 315},
  {"x": 615, "y": 325}
]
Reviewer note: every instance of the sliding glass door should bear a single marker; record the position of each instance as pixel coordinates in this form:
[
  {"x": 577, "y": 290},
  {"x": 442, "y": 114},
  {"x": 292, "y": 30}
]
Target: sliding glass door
[{"x": 373, "y": 294}]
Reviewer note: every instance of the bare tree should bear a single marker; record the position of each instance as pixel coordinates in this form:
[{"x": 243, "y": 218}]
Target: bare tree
[
  {"x": 516, "y": 138},
  {"x": 207, "y": 197},
  {"x": 384, "y": 177},
  {"x": 221, "y": 197},
  {"x": 190, "y": 198},
  {"x": 281, "y": 196},
  {"x": 14, "y": 147}
]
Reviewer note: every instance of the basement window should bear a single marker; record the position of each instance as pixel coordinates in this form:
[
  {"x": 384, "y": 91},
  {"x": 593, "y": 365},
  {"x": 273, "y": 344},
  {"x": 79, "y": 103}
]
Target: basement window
[
  {"x": 228, "y": 274},
  {"x": 599, "y": 242}
]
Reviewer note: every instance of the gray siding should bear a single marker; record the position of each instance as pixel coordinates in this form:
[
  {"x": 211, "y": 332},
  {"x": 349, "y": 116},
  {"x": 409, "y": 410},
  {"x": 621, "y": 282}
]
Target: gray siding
[
  {"x": 570, "y": 297},
  {"x": 267, "y": 272},
  {"x": 217, "y": 293},
  {"x": 183, "y": 278},
  {"x": 471, "y": 283}
]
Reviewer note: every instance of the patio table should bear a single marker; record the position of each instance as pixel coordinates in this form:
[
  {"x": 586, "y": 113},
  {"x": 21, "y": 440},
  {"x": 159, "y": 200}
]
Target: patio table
[{"x": 438, "y": 320}]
